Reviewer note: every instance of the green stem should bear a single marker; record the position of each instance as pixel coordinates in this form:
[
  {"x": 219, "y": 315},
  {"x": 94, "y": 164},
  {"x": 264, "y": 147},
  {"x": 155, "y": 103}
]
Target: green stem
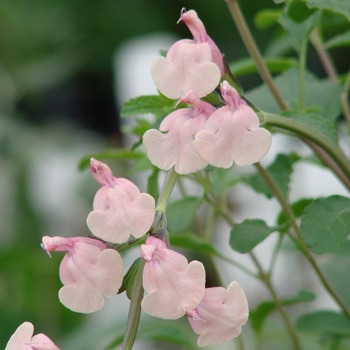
[
  {"x": 317, "y": 42},
  {"x": 300, "y": 242},
  {"x": 302, "y": 66},
  {"x": 266, "y": 279},
  {"x": 302, "y": 130},
  {"x": 236, "y": 264},
  {"x": 254, "y": 52},
  {"x": 134, "y": 310},
  {"x": 275, "y": 253},
  {"x": 167, "y": 188}
]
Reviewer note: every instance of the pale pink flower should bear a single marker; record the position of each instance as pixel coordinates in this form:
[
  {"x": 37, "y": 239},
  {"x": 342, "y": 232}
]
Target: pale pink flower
[
  {"x": 23, "y": 339},
  {"x": 172, "y": 285},
  {"x": 120, "y": 210},
  {"x": 232, "y": 133},
  {"x": 89, "y": 272},
  {"x": 174, "y": 145},
  {"x": 220, "y": 315},
  {"x": 189, "y": 64}
]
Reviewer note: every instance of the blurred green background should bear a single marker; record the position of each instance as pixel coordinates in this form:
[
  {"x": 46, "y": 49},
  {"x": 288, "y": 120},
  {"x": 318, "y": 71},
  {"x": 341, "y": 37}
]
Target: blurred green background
[{"x": 57, "y": 104}]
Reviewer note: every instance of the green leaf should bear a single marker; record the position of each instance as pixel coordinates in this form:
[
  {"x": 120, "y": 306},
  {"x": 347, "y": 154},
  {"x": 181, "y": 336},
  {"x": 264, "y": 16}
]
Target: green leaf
[
  {"x": 192, "y": 242},
  {"x": 280, "y": 170},
  {"x": 324, "y": 94},
  {"x": 247, "y": 66},
  {"x": 158, "y": 105},
  {"x": 339, "y": 40},
  {"x": 128, "y": 280},
  {"x": 341, "y": 7},
  {"x": 248, "y": 234},
  {"x": 298, "y": 11},
  {"x": 324, "y": 322},
  {"x": 325, "y": 223},
  {"x": 117, "y": 153},
  {"x": 180, "y": 213},
  {"x": 266, "y": 18},
  {"x": 298, "y": 32},
  {"x": 336, "y": 267},
  {"x": 298, "y": 208},
  {"x": 259, "y": 315}
]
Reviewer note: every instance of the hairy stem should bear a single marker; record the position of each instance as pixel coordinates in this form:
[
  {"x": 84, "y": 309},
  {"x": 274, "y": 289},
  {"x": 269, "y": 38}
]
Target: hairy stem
[
  {"x": 254, "y": 52},
  {"x": 300, "y": 242},
  {"x": 134, "y": 310}
]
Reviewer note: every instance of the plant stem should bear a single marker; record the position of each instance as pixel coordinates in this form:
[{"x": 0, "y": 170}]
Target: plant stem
[
  {"x": 300, "y": 242},
  {"x": 134, "y": 310},
  {"x": 302, "y": 130},
  {"x": 167, "y": 188},
  {"x": 266, "y": 279},
  {"x": 254, "y": 52},
  {"x": 302, "y": 66}
]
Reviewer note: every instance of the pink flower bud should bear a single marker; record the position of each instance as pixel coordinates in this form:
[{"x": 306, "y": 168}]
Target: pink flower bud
[
  {"x": 220, "y": 315},
  {"x": 232, "y": 134},
  {"x": 174, "y": 144},
  {"x": 172, "y": 285},
  {"x": 120, "y": 210},
  {"x": 189, "y": 64},
  {"x": 89, "y": 272},
  {"x": 23, "y": 339}
]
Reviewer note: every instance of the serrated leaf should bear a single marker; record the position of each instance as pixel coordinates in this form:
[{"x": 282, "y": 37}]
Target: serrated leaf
[
  {"x": 117, "y": 153},
  {"x": 259, "y": 315},
  {"x": 180, "y": 213},
  {"x": 247, "y": 66},
  {"x": 324, "y": 94},
  {"x": 129, "y": 277},
  {"x": 325, "y": 223},
  {"x": 266, "y": 18},
  {"x": 325, "y": 322},
  {"x": 280, "y": 170},
  {"x": 190, "y": 241},
  {"x": 341, "y": 7},
  {"x": 157, "y": 105},
  {"x": 339, "y": 40},
  {"x": 247, "y": 235}
]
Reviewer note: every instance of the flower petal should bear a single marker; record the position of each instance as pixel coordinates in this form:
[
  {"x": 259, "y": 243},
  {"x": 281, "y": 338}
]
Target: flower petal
[
  {"x": 176, "y": 146},
  {"x": 21, "y": 337},
  {"x": 187, "y": 66}
]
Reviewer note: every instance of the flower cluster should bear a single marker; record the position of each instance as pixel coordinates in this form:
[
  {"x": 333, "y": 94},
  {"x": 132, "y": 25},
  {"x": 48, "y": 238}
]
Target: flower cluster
[
  {"x": 188, "y": 140},
  {"x": 191, "y": 138},
  {"x": 92, "y": 270}
]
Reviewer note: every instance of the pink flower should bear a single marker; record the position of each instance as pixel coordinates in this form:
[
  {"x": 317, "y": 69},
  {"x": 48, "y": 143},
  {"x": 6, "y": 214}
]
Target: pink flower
[
  {"x": 23, "y": 339},
  {"x": 120, "y": 210},
  {"x": 232, "y": 133},
  {"x": 174, "y": 144},
  {"x": 89, "y": 272},
  {"x": 220, "y": 315},
  {"x": 189, "y": 64},
  {"x": 172, "y": 285}
]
